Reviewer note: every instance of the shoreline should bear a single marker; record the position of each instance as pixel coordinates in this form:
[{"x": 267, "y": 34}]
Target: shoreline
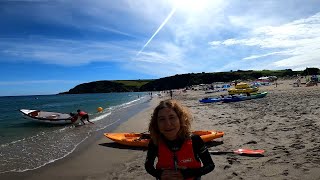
[{"x": 91, "y": 156}]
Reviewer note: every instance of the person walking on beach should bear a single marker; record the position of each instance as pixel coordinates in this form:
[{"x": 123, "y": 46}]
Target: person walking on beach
[
  {"x": 179, "y": 153},
  {"x": 171, "y": 93},
  {"x": 83, "y": 116},
  {"x": 298, "y": 82}
]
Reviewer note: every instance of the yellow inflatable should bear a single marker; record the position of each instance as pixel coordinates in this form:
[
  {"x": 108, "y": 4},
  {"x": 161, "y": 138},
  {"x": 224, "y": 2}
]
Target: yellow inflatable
[
  {"x": 99, "y": 109},
  {"x": 242, "y": 88}
]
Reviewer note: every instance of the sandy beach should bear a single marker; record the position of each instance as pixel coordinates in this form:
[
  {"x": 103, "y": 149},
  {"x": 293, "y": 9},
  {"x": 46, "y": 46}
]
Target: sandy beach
[{"x": 285, "y": 124}]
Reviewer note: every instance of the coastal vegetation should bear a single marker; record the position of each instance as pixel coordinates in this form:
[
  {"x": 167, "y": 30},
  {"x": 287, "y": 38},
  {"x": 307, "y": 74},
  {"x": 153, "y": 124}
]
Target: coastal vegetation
[
  {"x": 183, "y": 80},
  {"x": 108, "y": 86}
]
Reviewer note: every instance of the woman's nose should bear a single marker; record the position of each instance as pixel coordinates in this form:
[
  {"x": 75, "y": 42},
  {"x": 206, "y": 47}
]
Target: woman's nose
[{"x": 167, "y": 122}]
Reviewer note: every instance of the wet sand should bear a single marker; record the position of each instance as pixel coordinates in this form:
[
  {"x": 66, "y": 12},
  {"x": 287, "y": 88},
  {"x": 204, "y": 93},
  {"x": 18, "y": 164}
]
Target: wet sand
[{"x": 285, "y": 124}]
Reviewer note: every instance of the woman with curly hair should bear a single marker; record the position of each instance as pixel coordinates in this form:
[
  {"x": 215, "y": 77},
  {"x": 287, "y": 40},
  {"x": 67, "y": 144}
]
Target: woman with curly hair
[{"x": 179, "y": 153}]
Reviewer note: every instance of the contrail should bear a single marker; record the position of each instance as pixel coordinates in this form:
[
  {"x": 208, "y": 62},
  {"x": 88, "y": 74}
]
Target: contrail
[{"x": 160, "y": 27}]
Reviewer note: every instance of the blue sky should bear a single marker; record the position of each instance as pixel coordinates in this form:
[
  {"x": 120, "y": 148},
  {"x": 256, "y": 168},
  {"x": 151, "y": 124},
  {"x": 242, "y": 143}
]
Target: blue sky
[{"x": 50, "y": 46}]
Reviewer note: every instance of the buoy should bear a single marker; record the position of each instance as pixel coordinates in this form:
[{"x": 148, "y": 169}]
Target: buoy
[{"x": 99, "y": 109}]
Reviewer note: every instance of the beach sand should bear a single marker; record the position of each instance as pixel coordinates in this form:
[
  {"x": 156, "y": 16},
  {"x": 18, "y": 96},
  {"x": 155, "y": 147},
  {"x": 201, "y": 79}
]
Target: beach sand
[{"x": 286, "y": 124}]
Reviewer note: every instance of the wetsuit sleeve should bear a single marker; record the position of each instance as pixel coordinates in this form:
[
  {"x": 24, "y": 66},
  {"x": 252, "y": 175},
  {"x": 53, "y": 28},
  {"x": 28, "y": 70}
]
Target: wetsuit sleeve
[
  {"x": 201, "y": 151},
  {"x": 149, "y": 164}
]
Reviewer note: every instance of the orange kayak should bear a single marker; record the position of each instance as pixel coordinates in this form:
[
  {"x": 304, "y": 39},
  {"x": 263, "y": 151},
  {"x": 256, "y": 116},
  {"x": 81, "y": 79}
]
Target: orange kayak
[{"x": 142, "y": 139}]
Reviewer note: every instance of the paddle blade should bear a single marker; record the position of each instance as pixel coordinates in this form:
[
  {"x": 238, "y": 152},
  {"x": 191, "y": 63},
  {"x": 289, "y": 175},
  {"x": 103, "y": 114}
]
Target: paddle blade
[
  {"x": 249, "y": 151},
  {"x": 242, "y": 152}
]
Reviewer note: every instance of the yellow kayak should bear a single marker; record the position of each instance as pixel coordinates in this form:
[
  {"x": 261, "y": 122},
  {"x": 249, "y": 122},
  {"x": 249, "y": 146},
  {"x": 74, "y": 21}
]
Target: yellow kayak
[{"x": 142, "y": 139}]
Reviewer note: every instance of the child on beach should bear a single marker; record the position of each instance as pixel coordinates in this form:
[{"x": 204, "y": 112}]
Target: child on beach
[{"x": 179, "y": 152}]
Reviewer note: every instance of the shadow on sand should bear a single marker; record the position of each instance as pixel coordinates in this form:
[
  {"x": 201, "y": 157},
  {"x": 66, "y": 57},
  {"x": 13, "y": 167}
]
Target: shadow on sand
[
  {"x": 120, "y": 146},
  {"x": 213, "y": 143}
]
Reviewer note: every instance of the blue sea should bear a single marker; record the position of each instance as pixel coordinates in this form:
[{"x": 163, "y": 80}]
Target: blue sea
[{"x": 27, "y": 145}]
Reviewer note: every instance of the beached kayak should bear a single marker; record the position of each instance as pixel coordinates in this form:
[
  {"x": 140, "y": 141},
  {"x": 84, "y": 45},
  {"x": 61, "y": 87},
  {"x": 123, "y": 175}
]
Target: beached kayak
[
  {"x": 234, "y": 98},
  {"x": 210, "y": 100},
  {"x": 142, "y": 139},
  {"x": 244, "y": 97},
  {"x": 256, "y": 96}
]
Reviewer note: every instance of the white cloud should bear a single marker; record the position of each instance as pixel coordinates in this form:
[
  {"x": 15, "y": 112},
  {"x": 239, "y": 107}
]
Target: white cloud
[
  {"x": 265, "y": 55},
  {"x": 115, "y": 31},
  {"x": 215, "y": 43},
  {"x": 162, "y": 59},
  {"x": 298, "y": 39},
  {"x": 64, "y": 52}
]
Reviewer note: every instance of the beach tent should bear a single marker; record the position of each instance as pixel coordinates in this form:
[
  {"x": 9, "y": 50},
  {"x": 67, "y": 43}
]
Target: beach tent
[
  {"x": 263, "y": 79},
  {"x": 267, "y": 78},
  {"x": 257, "y": 84}
]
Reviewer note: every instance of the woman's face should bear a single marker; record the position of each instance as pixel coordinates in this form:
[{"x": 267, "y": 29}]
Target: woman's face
[{"x": 168, "y": 123}]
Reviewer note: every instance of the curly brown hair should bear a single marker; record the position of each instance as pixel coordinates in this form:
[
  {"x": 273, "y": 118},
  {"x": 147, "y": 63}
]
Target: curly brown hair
[{"x": 183, "y": 115}]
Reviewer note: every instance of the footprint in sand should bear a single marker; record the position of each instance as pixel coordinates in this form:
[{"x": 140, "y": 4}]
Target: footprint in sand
[
  {"x": 298, "y": 145},
  {"x": 285, "y": 172},
  {"x": 232, "y": 160},
  {"x": 251, "y": 142}
]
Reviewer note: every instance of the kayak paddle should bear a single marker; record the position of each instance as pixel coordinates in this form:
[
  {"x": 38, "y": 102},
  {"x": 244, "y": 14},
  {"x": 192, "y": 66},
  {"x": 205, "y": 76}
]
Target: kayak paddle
[{"x": 244, "y": 152}]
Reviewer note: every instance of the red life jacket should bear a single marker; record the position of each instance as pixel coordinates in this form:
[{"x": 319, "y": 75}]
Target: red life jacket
[
  {"x": 74, "y": 118},
  {"x": 82, "y": 113},
  {"x": 184, "y": 157}
]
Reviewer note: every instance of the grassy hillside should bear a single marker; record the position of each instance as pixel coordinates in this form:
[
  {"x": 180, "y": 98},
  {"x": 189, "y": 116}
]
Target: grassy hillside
[
  {"x": 133, "y": 83},
  {"x": 182, "y": 81}
]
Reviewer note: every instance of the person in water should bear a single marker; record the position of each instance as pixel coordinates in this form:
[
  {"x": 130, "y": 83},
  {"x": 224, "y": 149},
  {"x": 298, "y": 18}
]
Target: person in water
[
  {"x": 83, "y": 116},
  {"x": 179, "y": 152}
]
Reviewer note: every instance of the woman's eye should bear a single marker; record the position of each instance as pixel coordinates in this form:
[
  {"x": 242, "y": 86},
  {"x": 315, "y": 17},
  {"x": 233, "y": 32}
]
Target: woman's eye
[{"x": 161, "y": 119}]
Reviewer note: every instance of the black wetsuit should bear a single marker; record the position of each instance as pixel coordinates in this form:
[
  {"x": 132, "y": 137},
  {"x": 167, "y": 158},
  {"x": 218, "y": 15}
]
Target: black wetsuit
[
  {"x": 86, "y": 116},
  {"x": 200, "y": 153}
]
